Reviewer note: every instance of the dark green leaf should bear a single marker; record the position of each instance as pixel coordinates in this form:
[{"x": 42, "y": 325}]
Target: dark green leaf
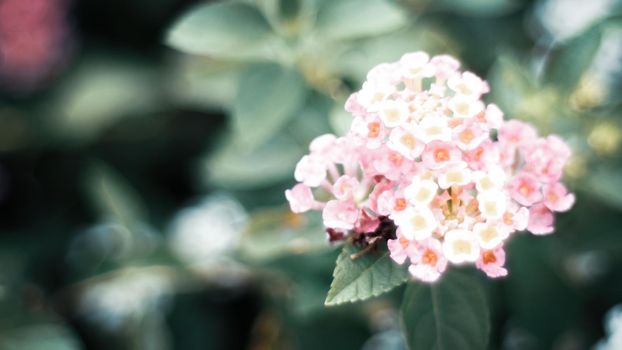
[
  {"x": 113, "y": 197},
  {"x": 268, "y": 96},
  {"x": 449, "y": 314},
  {"x": 476, "y": 7},
  {"x": 567, "y": 65},
  {"x": 226, "y": 30},
  {"x": 366, "y": 276},
  {"x": 347, "y": 19}
]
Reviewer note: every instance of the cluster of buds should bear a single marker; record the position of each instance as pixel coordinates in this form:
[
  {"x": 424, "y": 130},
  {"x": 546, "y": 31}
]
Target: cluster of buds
[{"x": 425, "y": 154}]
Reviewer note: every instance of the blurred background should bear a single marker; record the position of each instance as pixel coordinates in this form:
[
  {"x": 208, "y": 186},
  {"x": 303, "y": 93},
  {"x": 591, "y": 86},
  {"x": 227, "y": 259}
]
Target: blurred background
[{"x": 145, "y": 147}]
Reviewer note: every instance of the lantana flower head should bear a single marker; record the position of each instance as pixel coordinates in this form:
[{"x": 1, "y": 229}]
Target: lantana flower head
[{"x": 428, "y": 157}]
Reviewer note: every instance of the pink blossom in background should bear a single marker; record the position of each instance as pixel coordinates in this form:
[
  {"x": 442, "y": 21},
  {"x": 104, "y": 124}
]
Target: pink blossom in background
[
  {"x": 34, "y": 41},
  {"x": 420, "y": 158}
]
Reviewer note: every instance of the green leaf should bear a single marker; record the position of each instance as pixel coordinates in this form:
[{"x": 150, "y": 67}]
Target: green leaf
[
  {"x": 90, "y": 99},
  {"x": 233, "y": 168},
  {"x": 268, "y": 96},
  {"x": 113, "y": 197},
  {"x": 39, "y": 337},
  {"x": 223, "y": 30},
  {"x": 367, "y": 276},
  {"x": 348, "y": 19},
  {"x": 476, "y": 8},
  {"x": 205, "y": 83},
  {"x": 449, "y": 314},
  {"x": 567, "y": 65},
  {"x": 511, "y": 84},
  {"x": 601, "y": 183}
]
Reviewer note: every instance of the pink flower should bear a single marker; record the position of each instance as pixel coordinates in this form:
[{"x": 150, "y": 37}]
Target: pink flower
[
  {"x": 390, "y": 202},
  {"x": 366, "y": 222},
  {"x": 427, "y": 260},
  {"x": 557, "y": 198},
  {"x": 310, "y": 170},
  {"x": 525, "y": 189},
  {"x": 340, "y": 214},
  {"x": 403, "y": 140},
  {"x": 516, "y": 217},
  {"x": 491, "y": 262},
  {"x": 300, "y": 198},
  {"x": 515, "y": 133},
  {"x": 469, "y": 135},
  {"x": 345, "y": 187},
  {"x": 541, "y": 220},
  {"x": 419, "y": 162},
  {"x": 370, "y": 129},
  {"x": 398, "y": 248},
  {"x": 487, "y": 153},
  {"x": 445, "y": 66},
  {"x": 438, "y": 155}
]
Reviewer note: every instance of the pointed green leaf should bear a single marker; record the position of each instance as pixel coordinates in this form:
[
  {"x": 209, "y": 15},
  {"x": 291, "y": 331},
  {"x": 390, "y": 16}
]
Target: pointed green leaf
[
  {"x": 449, "y": 314},
  {"x": 367, "y": 276},
  {"x": 268, "y": 96},
  {"x": 223, "y": 30},
  {"x": 348, "y": 19}
]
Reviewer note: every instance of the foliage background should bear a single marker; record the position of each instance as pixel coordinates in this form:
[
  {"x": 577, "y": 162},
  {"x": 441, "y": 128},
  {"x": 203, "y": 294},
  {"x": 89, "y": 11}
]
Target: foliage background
[{"x": 144, "y": 155}]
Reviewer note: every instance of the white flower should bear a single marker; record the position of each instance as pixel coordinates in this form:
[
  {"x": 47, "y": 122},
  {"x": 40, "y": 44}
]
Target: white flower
[
  {"x": 490, "y": 235},
  {"x": 416, "y": 65},
  {"x": 460, "y": 246},
  {"x": 420, "y": 192},
  {"x": 458, "y": 175},
  {"x": 468, "y": 85},
  {"x": 394, "y": 112},
  {"x": 373, "y": 94},
  {"x": 465, "y": 107},
  {"x": 493, "y": 179},
  {"x": 432, "y": 128},
  {"x": 416, "y": 223},
  {"x": 492, "y": 204},
  {"x": 404, "y": 141}
]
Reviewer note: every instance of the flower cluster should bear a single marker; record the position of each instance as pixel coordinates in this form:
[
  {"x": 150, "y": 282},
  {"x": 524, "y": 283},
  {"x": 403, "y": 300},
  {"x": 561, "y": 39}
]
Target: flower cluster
[
  {"x": 425, "y": 153},
  {"x": 34, "y": 41}
]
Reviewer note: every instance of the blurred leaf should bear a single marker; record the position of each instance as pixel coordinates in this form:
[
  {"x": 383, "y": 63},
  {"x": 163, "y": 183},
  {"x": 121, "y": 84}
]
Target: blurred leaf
[
  {"x": 340, "y": 120},
  {"x": 449, "y": 314},
  {"x": 603, "y": 183},
  {"x": 205, "y": 83},
  {"x": 268, "y": 96},
  {"x": 475, "y": 7},
  {"x": 312, "y": 120},
  {"x": 348, "y": 19},
  {"x": 364, "y": 277},
  {"x": 222, "y": 30},
  {"x": 362, "y": 55},
  {"x": 566, "y": 66},
  {"x": 100, "y": 92},
  {"x": 38, "y": 337},
  {"x": 232, "y": 168},
  {"x": 536, "y": 289},
  {"x": 511, "y": 84},
  {"x": 273, "y": 232},
  {"x": 113, "y": 197}
]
